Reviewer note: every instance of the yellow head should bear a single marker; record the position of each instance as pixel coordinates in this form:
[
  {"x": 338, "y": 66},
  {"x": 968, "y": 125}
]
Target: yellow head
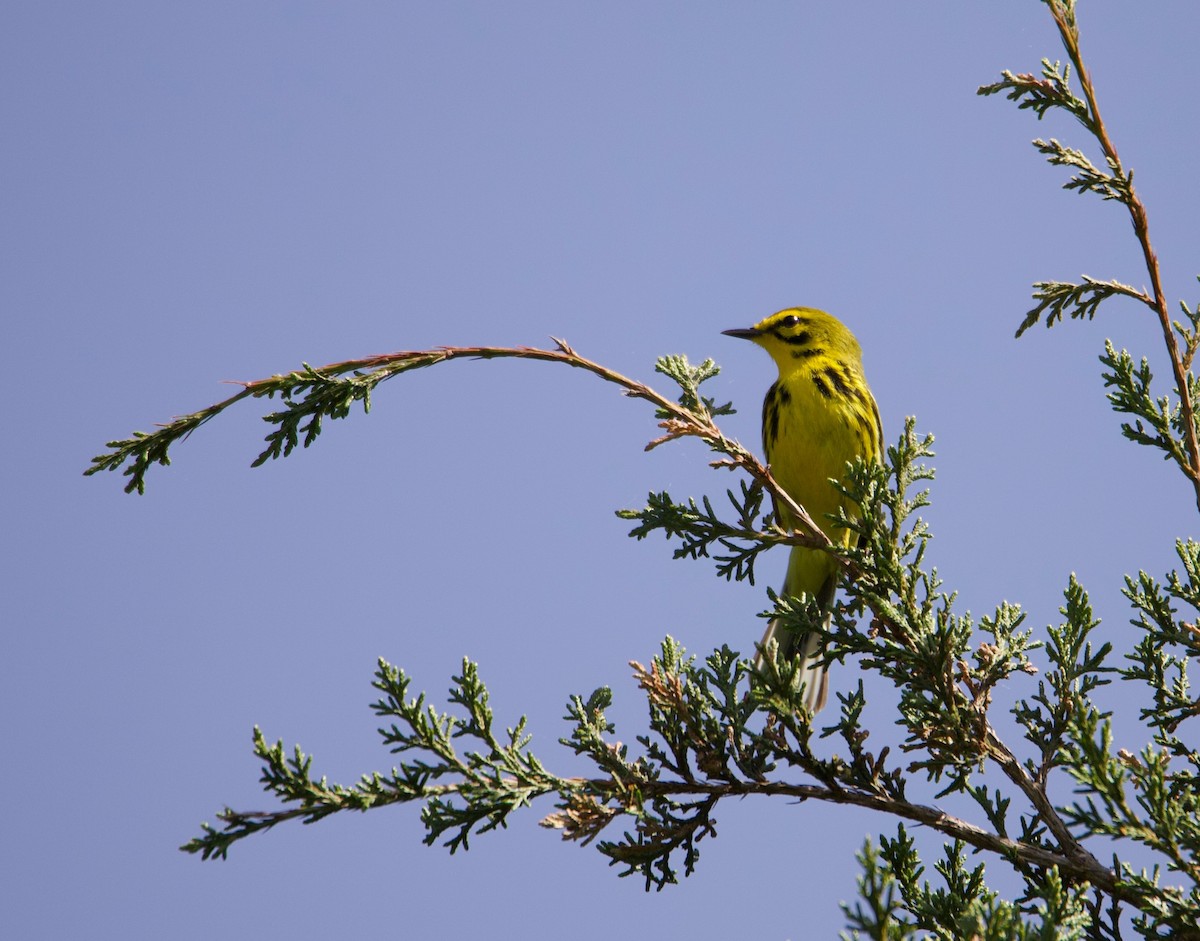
[{"x": 795, "y": 336}]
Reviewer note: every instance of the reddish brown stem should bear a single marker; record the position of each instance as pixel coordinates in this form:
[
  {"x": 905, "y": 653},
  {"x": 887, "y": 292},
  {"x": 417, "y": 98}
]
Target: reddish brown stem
[{"x": 1069, "y": 32}]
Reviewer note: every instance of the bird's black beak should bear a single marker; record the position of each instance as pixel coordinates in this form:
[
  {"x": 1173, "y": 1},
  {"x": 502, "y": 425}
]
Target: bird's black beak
[{"x": 746, "y": 333}]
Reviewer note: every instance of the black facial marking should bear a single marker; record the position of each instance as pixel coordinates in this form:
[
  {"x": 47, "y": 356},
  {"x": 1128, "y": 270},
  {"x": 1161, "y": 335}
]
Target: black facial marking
[{"x": 800, "y": 339}]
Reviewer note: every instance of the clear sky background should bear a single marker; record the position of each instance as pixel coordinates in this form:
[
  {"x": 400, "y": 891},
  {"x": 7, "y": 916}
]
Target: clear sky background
[{"x": 200, "y": 192}]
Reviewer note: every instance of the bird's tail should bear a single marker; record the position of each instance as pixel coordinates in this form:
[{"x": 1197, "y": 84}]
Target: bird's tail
[{"x": 806, "y": 649}]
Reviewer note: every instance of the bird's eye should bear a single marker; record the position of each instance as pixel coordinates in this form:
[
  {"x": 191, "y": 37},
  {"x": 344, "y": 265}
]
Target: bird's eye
[{"x": 789, "y": 321}]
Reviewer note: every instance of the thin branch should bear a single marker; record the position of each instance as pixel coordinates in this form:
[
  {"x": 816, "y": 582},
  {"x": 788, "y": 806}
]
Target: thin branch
[
  {"x": 1035, "y": 791},
  {"x": 1084, "y": 867},
  {"x": 1064, "y": 19},
  {"x": 144, "y": 449}
]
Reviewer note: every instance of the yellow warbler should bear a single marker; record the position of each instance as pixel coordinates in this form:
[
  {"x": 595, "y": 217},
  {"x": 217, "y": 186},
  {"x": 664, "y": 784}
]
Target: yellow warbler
[{"x": 817, "y": 416}]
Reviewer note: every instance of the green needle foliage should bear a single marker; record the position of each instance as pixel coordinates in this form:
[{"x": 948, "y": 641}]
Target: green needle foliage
[{"x": 1048, "y": 807}]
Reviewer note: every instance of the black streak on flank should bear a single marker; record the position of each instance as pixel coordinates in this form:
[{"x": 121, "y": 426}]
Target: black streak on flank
[
  {"x": 822, "y": 385},
  {"x": 770, "y": 415}
]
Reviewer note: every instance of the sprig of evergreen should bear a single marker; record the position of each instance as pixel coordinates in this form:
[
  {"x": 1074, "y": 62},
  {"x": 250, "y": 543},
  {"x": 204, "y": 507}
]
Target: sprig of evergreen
[
  {"x": 1042, "y": 95},
  {"x": 899, "y": 902},
  {"x": 1170, "y": 642},
  {"x": 1179, "y": 434},
  {"x": 1159, "y": 421},
  {"x": 1077, "y": 301},
  {"x": 703, "y": 534},
  {"x": 483, "y": 786}
]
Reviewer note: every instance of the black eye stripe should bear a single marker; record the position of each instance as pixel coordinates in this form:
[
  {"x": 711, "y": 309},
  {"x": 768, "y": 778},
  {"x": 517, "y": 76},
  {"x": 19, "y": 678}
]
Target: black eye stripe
[{"x": 799, "y": 339}]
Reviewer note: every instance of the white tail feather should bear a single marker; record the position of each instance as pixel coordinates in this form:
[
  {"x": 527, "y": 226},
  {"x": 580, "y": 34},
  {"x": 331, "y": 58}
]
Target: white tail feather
[{"x": 806, "y": 651}]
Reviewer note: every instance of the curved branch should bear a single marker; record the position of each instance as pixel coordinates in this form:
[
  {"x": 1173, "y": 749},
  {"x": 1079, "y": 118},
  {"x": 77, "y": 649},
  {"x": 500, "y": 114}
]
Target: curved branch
[{"x": 316, "y": 392}]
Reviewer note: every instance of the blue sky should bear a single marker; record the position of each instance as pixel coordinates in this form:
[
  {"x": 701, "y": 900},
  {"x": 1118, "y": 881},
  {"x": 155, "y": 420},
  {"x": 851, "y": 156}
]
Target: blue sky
[{"x": 204, "y": 192}]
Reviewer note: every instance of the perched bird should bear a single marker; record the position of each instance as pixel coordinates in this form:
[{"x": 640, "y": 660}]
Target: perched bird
[{"x": 818, "y": 415}]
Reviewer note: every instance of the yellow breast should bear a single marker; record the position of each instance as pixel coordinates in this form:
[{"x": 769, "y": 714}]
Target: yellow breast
[{"x": 809, "y": 437}]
